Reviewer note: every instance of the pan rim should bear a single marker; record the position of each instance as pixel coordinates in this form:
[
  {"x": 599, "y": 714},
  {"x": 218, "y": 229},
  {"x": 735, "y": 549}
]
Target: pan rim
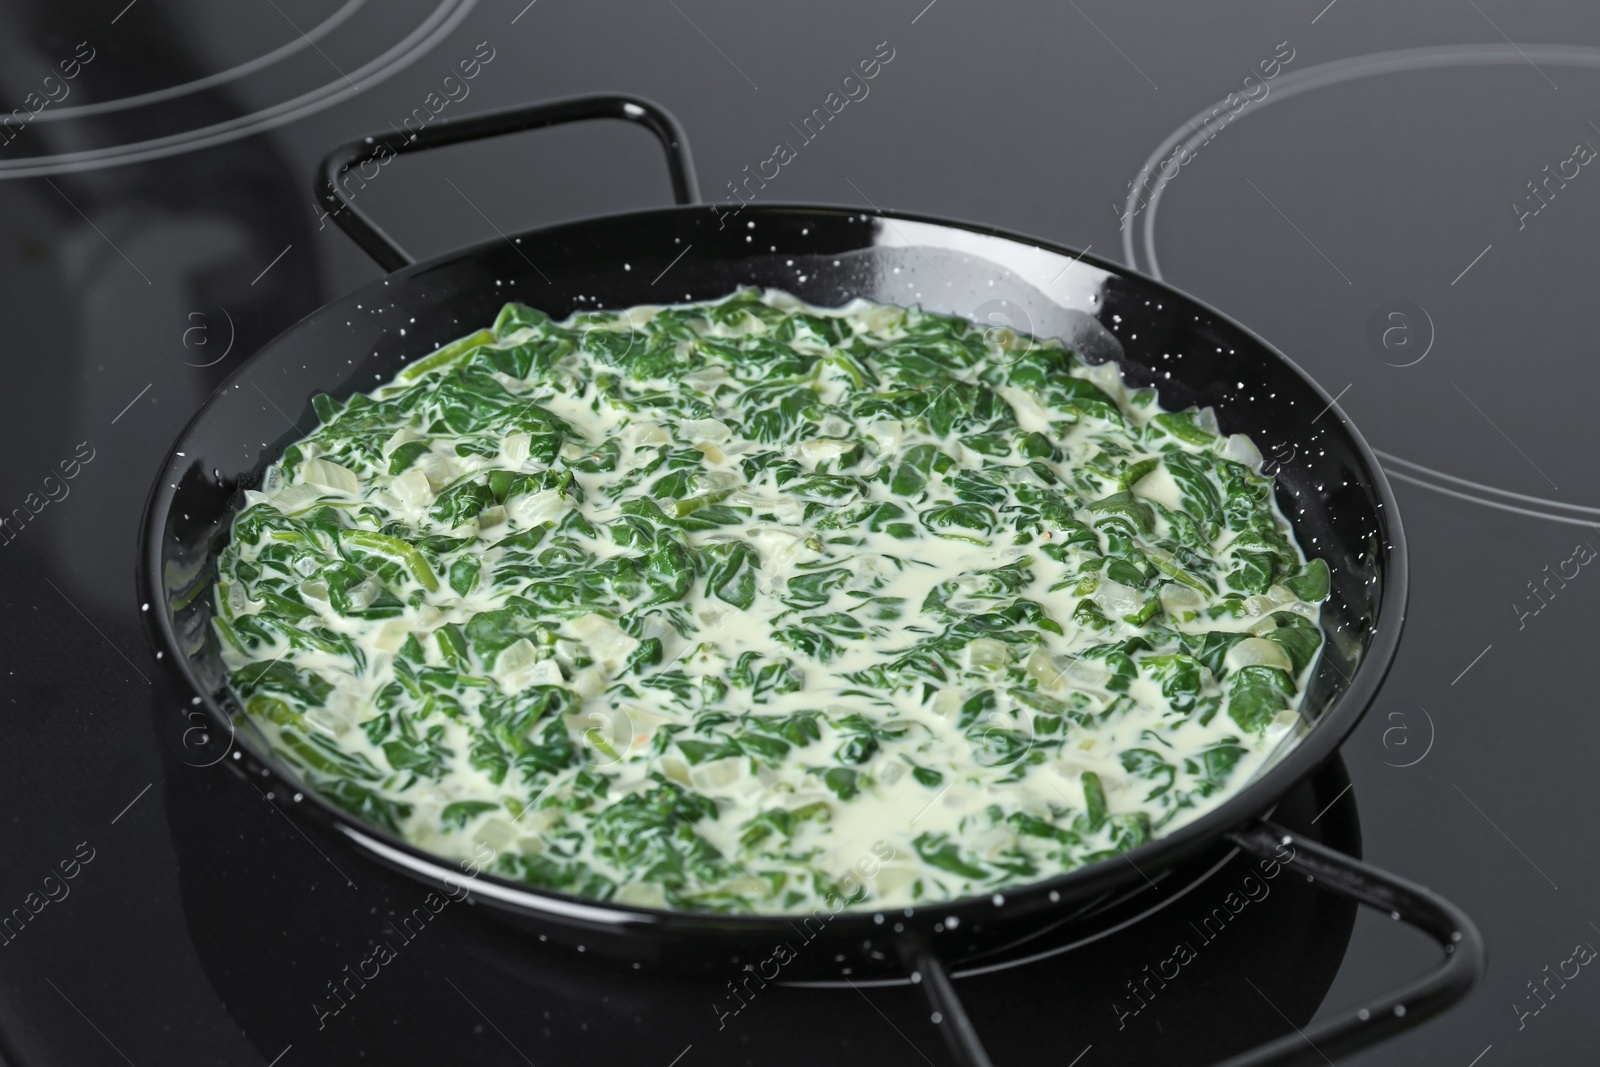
[{"x": 1251, "y": 801}]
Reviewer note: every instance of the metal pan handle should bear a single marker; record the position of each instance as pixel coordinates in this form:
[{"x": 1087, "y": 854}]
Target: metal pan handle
[
  {"x": 1462, "y": 967},
  {"x": 335, "y": 175}
]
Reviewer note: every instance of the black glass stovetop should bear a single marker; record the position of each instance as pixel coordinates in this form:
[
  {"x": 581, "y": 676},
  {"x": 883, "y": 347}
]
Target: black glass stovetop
[{"x": 1401, "y": 200}]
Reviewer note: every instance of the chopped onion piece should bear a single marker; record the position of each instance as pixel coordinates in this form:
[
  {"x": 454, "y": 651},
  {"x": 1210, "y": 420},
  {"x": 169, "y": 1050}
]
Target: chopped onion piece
[
  {"x": 1264, "y": 625},
  {"x": 1043, "y": 668},
  {"x": 717, "y": 773},
  {"x": 1241, "y": 449},
  {"x": 404, "y": 435},
  {"x": 648, "y": 433},
  {"x": 1257, "y": 651},
  {"x": 705, "y": 429},
  {"x": 531, "y": 509},
  {"x": 295, "y": 498},
  {"x": 1180, "y": 602},
  {"x": 330, "y": 475},
  {"x": 985, "y": 653},
  {"x": 823, "y": 449},
  {"x": 1116, "y": 599},
  {"x": 314, "y": 591},
  {"x": 412, "y": 489},
  {"x": 608, "y": 643},
  {"x": 515, "y": 448},
  {"x": 364, "y": 593},
  {"x": 946, "y": 702}
]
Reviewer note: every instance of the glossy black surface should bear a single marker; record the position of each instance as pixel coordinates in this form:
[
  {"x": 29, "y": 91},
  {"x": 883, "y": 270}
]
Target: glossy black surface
[{"x": 1472, "y": 772}]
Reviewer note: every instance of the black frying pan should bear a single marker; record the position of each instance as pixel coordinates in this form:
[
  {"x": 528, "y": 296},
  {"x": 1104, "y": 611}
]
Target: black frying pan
[{"x": 1328, "y": 483}]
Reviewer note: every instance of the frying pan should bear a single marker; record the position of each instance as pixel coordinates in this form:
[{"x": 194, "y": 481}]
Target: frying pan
[{"x": 1327, "y": 483}]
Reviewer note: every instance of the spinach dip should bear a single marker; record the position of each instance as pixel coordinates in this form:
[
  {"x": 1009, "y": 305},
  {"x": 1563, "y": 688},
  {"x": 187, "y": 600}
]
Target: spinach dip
[{"x": 750, "y": 605}]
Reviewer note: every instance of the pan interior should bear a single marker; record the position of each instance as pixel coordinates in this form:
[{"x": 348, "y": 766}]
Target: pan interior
[{"x": 1327, "y": 486}]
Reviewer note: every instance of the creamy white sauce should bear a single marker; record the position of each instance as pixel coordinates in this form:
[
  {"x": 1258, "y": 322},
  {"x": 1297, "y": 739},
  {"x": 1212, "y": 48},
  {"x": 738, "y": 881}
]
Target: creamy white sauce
[{"x": 618, "y": 733}]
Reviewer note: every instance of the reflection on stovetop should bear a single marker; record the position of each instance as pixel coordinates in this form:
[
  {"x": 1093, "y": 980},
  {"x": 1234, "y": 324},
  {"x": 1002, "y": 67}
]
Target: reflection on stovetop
[
  {"x": 182, "y": 76},
  {"x": 132, "y": 291},
  {"x": 311, "y": 946}
]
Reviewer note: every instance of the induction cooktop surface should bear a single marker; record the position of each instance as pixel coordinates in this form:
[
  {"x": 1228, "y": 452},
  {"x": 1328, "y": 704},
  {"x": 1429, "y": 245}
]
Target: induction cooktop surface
[{"x": 1400, "y": 200}]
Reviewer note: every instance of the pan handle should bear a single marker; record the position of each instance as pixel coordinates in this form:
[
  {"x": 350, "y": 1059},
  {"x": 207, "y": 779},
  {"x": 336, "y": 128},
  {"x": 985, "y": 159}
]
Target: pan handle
[
  {"x": 1462, "y": 967},
  {"x": 334, "y": 178}
]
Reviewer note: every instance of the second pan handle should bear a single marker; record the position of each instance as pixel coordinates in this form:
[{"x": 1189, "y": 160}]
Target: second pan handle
[
  {"x": 1422, "y": 998},
  {"x": 345, "y": 165}
]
